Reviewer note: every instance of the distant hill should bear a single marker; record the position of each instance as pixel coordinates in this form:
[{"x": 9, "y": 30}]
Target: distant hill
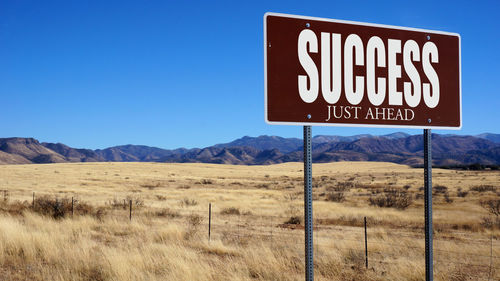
[
  {"x": 491, "y": 137},
  {"x": 74, "y": 154},
  {"x": 398, "y": 148},
  {"x": 284, "y": 145},
  {"x": 27, "y": 150},
  {"x": 137, "y": 153}
]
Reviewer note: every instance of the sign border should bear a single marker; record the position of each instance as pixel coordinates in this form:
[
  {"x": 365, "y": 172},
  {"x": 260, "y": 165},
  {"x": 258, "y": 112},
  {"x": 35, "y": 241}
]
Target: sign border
[{"x": 362, "y": 24}]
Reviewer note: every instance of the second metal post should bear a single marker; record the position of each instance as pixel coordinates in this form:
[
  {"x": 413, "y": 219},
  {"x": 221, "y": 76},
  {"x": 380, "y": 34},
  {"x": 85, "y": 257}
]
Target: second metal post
[
  {"x": 429, "y": 276},
  {"x": 308, "y": 208}
]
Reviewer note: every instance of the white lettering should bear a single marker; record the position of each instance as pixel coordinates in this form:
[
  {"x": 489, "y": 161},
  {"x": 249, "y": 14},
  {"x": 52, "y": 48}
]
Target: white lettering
[
  {"x": 411, "y": 53},
  {"x": 307, "y": 37},
  {"x": 353, "y": 41},
  {"x": 430, "y": 50},
  {"x": 375, "y": 44},
  {"x": 330, "y": 83}
]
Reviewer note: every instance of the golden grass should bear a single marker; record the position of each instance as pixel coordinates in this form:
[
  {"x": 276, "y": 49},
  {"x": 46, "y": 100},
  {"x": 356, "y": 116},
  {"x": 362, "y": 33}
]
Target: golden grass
[{"x": 167, "y": 237}]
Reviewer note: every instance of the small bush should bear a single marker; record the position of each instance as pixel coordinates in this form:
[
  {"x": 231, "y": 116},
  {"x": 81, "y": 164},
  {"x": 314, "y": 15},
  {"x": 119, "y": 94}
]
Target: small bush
[
  {"x": 15, "y": 208},
  {"x": 392, "y": 198},
  {"x": 491, "y": 223},
  {"x": 151, "y": 185},
  {"x": 440, "y": 189},
  {"x": 294, "y": 220},
  {"x": 188, "y": 202},
  {"x": 161, "y": 197},
  {"x": 462, "y": 193},
  {"x": 492, "y": 206},
  {"x": 230, "y": 211},
  {"x": 207, "y": 181},
  {"x": 167, "y": 213},
  {"x": 483, "y": 188},
  {"x": 60, "y": 208},
  {"x": 342, "y": 186},
  {"x": 335, "y": 197}
]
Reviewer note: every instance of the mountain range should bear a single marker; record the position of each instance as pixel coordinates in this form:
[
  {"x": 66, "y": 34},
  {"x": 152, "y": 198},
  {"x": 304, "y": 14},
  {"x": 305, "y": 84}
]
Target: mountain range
[{"x": 447, "y": 150}]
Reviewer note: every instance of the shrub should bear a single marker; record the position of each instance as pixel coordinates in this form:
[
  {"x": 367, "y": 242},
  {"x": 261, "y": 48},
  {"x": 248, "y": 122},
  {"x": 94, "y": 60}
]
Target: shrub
[
  {"x": 59, "y": 208},
  {"x": 343, "y": 186},
  {"x": 440, "y": 189},
  {"x": 483, "y": 188},
  {"x": 462, "y": 193},
  {"x": 491, "y": 223},
  {"x": 335, "y": 196},
  {"x": 151, "y": 185},
  {"x": 188, "y": 202},
  {"x": 392, "y": 198},
  {"x": 47, "y": 206},
  {"x": 15, "y": 208},
  {"x": 166, "y": 212},
  {"x": 230, "y": 211},
  {"x": 161, "y": 197},
  {"x": 294, "y": 220},
  {"x": 492, "y": 206}
]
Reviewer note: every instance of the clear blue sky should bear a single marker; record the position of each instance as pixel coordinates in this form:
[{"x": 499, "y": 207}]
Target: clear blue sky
[{"x": 190, "y": 73}]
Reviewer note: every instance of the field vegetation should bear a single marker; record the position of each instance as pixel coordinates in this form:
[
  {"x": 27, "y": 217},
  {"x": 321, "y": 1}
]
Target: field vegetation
[{"x": 256, "y": 227}]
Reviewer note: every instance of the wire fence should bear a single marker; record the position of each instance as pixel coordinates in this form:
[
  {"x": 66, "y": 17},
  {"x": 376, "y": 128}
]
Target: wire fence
[{"x": 382, "y": 243}]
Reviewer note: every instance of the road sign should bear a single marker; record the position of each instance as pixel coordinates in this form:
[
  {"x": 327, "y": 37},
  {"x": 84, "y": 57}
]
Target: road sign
[{"x": 341, "y": 73}]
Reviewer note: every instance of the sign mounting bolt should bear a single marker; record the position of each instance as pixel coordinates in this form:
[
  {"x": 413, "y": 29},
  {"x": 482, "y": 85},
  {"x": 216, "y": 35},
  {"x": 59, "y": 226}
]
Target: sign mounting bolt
[
  {"x": 429, "y": 120},
  {"x": 308, "y": 25},
  {"x": 428, "y": 37},
  {"x": 309, "y": 116}
]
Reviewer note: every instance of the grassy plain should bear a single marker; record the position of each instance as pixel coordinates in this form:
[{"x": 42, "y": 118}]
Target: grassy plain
[{"x": 167, "y": 238}]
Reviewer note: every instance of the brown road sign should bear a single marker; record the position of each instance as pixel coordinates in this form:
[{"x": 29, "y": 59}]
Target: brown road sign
[{"x": 340, "y": 73}]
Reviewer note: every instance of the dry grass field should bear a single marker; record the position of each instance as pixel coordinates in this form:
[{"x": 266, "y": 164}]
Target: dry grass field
[{"x": 256, "y": 227}]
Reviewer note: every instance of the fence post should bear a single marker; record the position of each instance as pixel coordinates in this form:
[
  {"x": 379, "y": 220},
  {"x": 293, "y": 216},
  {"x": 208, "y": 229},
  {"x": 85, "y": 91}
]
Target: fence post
[
  {"x": 5, "y": 195},
  {"x": 209, "y": 220},
  {"x": 130, "y": 206},
  {"x": 72, "y": 207},
  {"x": 366, "y": 247},
  {"x": 33, "y": 203}
]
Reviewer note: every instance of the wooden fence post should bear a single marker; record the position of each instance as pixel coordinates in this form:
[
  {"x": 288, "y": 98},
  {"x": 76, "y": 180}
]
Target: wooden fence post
[{"x": 130, "y": 205}]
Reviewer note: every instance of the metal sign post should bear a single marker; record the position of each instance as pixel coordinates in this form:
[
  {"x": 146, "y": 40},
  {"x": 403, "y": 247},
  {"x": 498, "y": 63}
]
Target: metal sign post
[
  {"x": 428, "y": 205},
  {"x": 308, "y": 208}
]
